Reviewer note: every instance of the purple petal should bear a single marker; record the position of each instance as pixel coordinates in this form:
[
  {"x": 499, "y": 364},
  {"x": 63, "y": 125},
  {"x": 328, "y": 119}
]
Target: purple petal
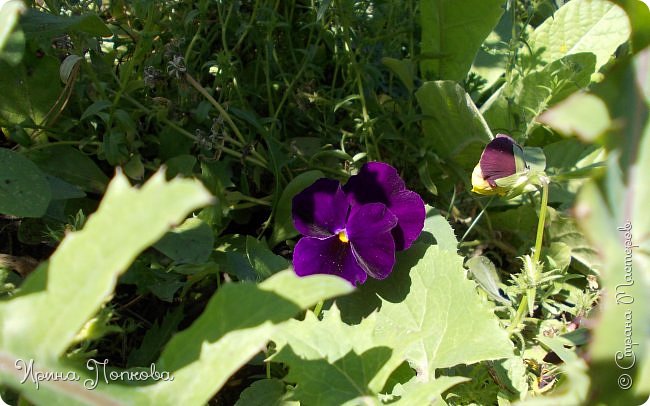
[
  {"x": 408, "y": 207},
  {"x": 498, "y": 159},
  {"x": 379, "y": 182},
  {"x": 375, "y": 183},
  {"x": 320, "y": 210},
  {"x": 327, "y": 256},
  {"x": 369, "y": 230}
]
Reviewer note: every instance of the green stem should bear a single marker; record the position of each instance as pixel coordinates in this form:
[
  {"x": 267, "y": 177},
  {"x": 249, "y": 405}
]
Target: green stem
[
  {"x": 523, "y": 305},
  {"x": 216, "y": 105},
  {"x": 540, "y": 223},
  {"x": 318, "y": 308},
  {"x": 476, "y": 220}
]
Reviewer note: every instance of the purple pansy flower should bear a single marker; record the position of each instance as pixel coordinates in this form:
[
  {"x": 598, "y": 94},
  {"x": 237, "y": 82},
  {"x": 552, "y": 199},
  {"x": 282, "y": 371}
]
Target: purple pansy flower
[
  {"x": 354, "y": 231},
  {"x": 380, "y": 182}
]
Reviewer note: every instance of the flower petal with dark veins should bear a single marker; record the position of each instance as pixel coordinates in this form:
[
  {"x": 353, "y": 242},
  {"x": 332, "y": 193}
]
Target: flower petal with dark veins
[
  {"x": 369, "y": 229},
  {"x": 321, "y": 209},
  {"x": 327, "y": 256}
]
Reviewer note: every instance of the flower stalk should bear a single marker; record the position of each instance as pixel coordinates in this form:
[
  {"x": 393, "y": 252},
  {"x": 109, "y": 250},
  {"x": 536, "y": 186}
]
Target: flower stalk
[{"x": 528, "y": 298}]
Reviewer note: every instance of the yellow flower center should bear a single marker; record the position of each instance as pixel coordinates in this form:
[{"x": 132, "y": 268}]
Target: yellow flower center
[{"x": 343, "y": 236}]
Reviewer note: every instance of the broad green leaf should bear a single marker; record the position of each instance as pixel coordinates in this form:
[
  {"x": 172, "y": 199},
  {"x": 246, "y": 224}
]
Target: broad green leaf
[
  {"x": 82, "y": 273},
  {"x": 29, "y": 90},
  {"x": 614, "y": 218},
  {"x": 62, "y": 190},
  {"x": 512, "y": 374},
  {"x": 490, "y": 61},
  {"x": 442, "y": 305},
  {"x": 416, "y": 392},
  {"x": 569, "y": 163},
  {"x": 14, "y": 48},
  {"x": 265, "y": 392},
  {"x": 403, "y": 69},
  {"x": 638, "y": 11},
  {"x": 155, "y": 338},
  {"x": 338, "y": 382},
  {"x": 565, "y": 230},
  {"x": 189, "y": 243},
  {"x": 96, "y": 107},
  {"x": 453, "y": 127},
  {"x": 235, "y": 325},
  {"x": 518, "y": 104},
  {"x": 263, "y": 261},
  {"x": 421, "y": 327},
  {"x": 24, "y": 190},
  {"x": 71, "y": 165},
  {"x": 9, "y": 14},
  {"x": 283, "y": 228},
  {"x": 438, "y": 231},
  {"x": 452, "y": 33},
  {"x": 596, "y": 26},
  {"x": 520, "y": 223},
  {"x": 40, "y": 24},
  {"x": 247, "y": 258},
  {"x": 322, "y": 352},
  {"x": 582, "y": 114},
  {"x": 181, "y": 165}
]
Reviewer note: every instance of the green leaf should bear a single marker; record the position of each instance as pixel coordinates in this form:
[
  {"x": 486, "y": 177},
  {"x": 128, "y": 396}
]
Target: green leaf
[
  {"x": 155, "y": 338},
  {"x": 490, "y": 61},
  {"x": 338, "y": 382},
  {"x": 62, "y": 190},
  {"x": 181, "y": 165},
  {"x": 71, "y": 165},
  {"x": 236, "y": 323},
  {"x": 24, "y": 190},
  {"x": 263, "y": 261},
  {"x": 96, "y": 107},
  {"x": 415, "y": 392},
  {"x": 29, "y": 90},
  {"x": 189, "y": 243},
  {"x": 403, "y": 69},
  {"x": 452, "y": 33},
  {"x": 45, "y": 321},
  {"x": 485, "y": 273},
  {"x": 283, "y": 228},
  {"x": 639, "y": 13},
  {"x": 328, "y": 353},
  {"x": 438, "y": 231},
  {"x": 583, "y": 115},
  {"x": 613, "y": 217},
  {"x": 39, "y": 24},
  {"x": 520, "y": 223},
  {"x": 517, "y": 105},
  {"x": 434, "y": 305},
  {"x": 9, "y": 14},
  {"x": 248, "y": 258},
  {"x": 565, "y": 230},
  {"x": 595, "y": 26},
  {"x": 265, "y": 392},
  {"x": 14, "y": 48},
  {"x": 453, "y": 127},
  {"x": 442, "y": 304}
]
